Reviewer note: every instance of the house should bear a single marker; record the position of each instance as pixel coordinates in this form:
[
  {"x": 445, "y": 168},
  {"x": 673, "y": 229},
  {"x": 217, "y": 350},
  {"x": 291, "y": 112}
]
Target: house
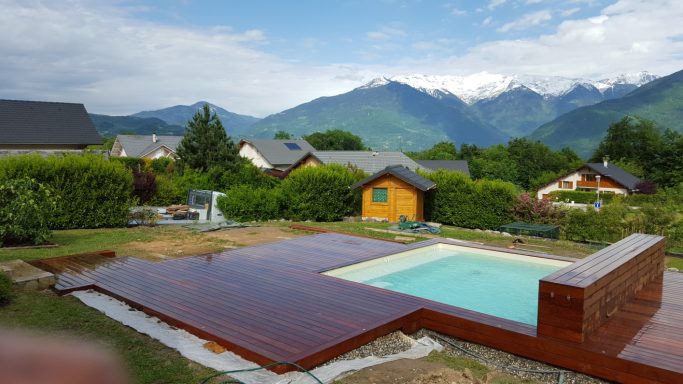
[
  {"x": 277, "y": 155},
  {"x": 45, "y": 127},
  {"x": 448, "y": 165},
  {"x": 145, "y": 146},
  {"x": 392, "y": 192},
  {"x": 608, "y": 177},
  {"x": 367, "y": 161}
]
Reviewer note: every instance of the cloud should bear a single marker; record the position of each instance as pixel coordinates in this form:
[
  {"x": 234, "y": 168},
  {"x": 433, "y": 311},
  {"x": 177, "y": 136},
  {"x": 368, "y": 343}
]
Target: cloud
[
  {"x": 385, "y": 33},
  {"x": 493, "y": 4},
  {"x": 527, "y": 21},
  {"x": 569, "y": 12},
  {"x": 487, "y": 21}
]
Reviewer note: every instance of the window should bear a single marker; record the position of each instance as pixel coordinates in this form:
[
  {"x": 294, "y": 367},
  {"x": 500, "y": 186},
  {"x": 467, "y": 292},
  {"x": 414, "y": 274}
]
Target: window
[
  {"x": 567, "y": 185},
  {"x": 380, "y": 195},
  {"x": 293, "y": 146},
  {"x": 589, "y": 177}
]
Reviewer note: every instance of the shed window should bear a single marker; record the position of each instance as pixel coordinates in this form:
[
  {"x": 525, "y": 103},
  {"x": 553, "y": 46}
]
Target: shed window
[{"x": 380, "y": 195}]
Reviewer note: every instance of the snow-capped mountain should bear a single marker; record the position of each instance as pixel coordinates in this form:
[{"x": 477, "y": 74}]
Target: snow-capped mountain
[{"x": 485, "y": 85}]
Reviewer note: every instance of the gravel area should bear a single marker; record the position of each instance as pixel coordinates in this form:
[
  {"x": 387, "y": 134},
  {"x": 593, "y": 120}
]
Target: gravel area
[
  {"x": 500, "y": 360},
  {"x": 496, "y": 360},
  {"x": 386, "y": 345}
]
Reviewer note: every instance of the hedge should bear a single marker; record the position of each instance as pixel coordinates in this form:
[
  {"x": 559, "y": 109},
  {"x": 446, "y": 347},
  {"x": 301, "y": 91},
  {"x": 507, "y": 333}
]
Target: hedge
[
  {"x": 91, "y": 191},
  {"x": 321, "y": 193},
  {"x": 244, "y": 203},
  {"x": 25, "y": 208},
  {"x": 580, "y": 197},
  {"x": 459, "y": 201}
]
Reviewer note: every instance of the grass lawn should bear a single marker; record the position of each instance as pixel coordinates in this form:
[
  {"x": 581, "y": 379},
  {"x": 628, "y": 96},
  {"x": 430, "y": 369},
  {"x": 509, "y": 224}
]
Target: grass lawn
[{"x": 148, "y": 361}]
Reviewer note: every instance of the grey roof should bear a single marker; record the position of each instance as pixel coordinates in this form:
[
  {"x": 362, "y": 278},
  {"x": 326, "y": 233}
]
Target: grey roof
[
  {"x": 40, "y": 122},
  {"x": 615, "y": 173},
  {"x": 140, "y": 145},
  {"x": 368, "y": 161},
  {"x": 449, "y": 165},
  {"x": 402, "y": 173},
  {"x": 276, "y": 151}
]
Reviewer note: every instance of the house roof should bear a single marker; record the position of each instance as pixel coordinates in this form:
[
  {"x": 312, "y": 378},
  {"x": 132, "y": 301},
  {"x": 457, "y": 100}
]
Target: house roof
[
  {"x": 280, "y": 152},
  {"x": 40, "y": 122},
  {"x": 449, "y": 165},
  {"x": 615, "y": 173},
  {"x": 368, "y": 161},
  {"x": 140, "y": 145},
  {"x": 402, "y": 173}
]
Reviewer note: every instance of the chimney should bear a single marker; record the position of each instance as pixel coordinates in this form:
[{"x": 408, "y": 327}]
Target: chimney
[
  {"x": 154, "y": 140},
  {"x": 605, "y": 161}
]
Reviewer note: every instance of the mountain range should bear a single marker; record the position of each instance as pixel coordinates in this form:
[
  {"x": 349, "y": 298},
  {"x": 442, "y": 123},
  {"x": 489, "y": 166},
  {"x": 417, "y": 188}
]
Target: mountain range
[{"x": 415, "y": 111}]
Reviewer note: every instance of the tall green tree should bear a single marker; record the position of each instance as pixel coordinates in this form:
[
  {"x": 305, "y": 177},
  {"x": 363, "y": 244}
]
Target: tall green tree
[
  {"x": 335, "y": 140},
  {"x": 444, "y": 150},
  {"x": 207, "y": 145},
  {"x": 282, "y": 135},
  {"x": 631, "y": 139}
]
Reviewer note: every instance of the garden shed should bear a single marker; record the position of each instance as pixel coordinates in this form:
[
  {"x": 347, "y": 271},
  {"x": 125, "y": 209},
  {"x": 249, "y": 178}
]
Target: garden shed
[{"x": 392, "y": 192}]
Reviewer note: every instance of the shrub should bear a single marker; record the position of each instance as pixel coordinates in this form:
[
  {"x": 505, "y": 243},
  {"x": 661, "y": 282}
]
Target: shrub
[
  {"x": 321, "y": 193},
  {"x": 244, "y": 203},
  {"x": 580, "y": 197},
  {"x": 459, "y": 201},
  {"x": 528, "y": 209},
  {"x": 167, "y": 192},
  {"x": 144, "y": 186},
  {"x": 135, "y": 164},
  {"x": 607, "y": 225},
  {"x": 6, "y": 289},
  {"x": 162, "y": 165},
  {"x": 25, "y": 210},
  {"x": 91, "y": 192},
  {"x": 146, "y": 216}
]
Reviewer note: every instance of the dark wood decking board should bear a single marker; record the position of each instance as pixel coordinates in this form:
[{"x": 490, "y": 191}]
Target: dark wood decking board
[{"x": 269, "y": 303}]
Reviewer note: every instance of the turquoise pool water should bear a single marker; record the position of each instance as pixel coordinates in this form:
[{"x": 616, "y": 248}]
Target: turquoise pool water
[{"x": 496, "y": 283}]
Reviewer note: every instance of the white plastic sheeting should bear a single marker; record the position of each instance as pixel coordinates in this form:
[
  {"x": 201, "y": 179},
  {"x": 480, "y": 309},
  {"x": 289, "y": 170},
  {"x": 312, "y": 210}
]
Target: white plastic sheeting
[{"x": 192, "y": 347}]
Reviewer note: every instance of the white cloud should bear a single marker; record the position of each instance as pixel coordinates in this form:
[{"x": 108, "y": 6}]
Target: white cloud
[
  {"x": 493, "y": 4},
  {"x": 569, "y": 12},
  {"x": 385, "y": 33},
  {"x": 487, "y": 21},
  {"x": 527, "y": 21},
  {"x": 458, "y": 12}
]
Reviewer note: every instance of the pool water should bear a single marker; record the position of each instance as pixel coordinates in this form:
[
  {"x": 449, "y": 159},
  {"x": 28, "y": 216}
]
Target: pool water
[{"x": 496, "y": 283}]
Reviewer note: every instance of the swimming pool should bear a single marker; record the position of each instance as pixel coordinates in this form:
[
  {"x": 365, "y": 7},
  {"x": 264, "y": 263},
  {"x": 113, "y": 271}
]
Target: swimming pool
[{"x": 496, "y": 283}]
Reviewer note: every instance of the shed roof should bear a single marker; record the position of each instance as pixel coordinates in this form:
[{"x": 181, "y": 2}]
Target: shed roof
[
  {"x": 40, "y": 122},
  {"x": 368, "y": 161},
  {"x": 449, "y": 165},
  {"x": 280, "y": 152},
  {"x": 140, "y": 145},
  {"x": 615, "y": 173},
  {"x": 402, "y": 173}
]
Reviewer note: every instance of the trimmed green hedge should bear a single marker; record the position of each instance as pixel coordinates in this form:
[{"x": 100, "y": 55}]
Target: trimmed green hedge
[
  {"x": 25, "y": 208},
  {"x": 321, "y": 193},
  {"x": 581, "y": 197},
  {"x": 91, "y": 191},
  {"x": 459, "y": 201},
  {"x": 245, "y": 203}
]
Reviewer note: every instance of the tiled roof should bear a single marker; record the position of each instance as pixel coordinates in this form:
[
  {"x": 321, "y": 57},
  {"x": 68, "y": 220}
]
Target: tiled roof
[
  {"x": 402, "y": 173},
  {"x": 281, "y": 152},
  {"x": 615, "y": 173},
  {"x": 39, "y": 122},
  {"x": 140, "y": 145},
  {"x": 369, "y": 162}
]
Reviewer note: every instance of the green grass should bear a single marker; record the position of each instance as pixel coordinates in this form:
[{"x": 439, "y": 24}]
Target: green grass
[
  {"x": 148, "y": 361},
  {"x": 459, "y": 363},
  {"x": 674, "y": 262}
]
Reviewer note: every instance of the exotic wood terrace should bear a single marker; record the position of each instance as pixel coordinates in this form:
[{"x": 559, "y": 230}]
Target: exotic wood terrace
[{"x": 614, "y": 315}]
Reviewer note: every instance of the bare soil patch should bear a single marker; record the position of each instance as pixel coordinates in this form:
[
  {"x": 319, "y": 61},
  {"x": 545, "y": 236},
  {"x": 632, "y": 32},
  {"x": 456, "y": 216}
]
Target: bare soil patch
[{"x": 254, "y": 235}]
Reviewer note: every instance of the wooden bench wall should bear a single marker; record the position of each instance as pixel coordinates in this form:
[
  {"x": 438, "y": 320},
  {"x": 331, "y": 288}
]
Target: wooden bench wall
[{"x": 574, "y": 301}]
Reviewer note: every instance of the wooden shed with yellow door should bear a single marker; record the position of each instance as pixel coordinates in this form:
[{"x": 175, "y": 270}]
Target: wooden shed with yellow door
[{"x": 392, "y": 192}]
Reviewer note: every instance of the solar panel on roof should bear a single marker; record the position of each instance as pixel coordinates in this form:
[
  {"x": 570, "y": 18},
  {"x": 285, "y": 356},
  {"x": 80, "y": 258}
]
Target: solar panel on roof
[{"x": 293, "y": 146}]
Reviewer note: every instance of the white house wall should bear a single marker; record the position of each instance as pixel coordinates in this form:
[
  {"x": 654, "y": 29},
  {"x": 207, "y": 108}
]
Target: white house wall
[
  {"x": 249, "y": 152},
  {"x": 574, "y": 177}
]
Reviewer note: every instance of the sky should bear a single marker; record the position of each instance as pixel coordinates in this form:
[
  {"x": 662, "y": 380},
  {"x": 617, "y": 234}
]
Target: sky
[{"x": 261, "y": 57}]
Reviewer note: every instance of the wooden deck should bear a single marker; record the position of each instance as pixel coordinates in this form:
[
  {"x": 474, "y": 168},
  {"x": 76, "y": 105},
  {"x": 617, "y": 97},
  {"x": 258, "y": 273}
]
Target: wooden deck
[{"x": 270, "y": 303}]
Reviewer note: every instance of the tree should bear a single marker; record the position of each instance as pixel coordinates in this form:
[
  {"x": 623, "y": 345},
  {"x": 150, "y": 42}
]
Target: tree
[
  {"x": 206, "y": 144},
  {"x": 335, "y": 140},
  {"x": 282, "y": 135},
  {"x": 444, "y": 150},
  {"x": 631, "y": 139}
]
